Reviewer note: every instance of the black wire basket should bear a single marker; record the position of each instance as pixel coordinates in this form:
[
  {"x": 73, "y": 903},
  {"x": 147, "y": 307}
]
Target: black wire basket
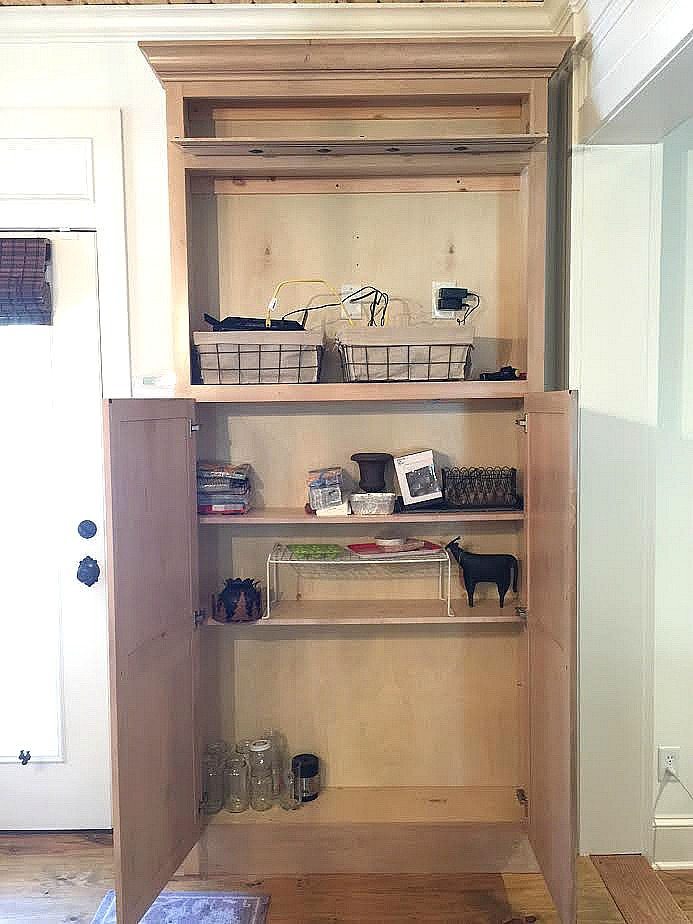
[{"x": 481, "y": 488}]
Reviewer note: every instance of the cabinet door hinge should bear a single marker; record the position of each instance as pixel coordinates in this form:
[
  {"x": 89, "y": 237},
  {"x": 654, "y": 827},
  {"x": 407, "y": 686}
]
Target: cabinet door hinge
[
  {"x": 521, "y": 797},
  {"x": 199, "y": 617},
  {"x": 522, "y": 422},
  {"x": 522, "y": 612},
  {"x": 194, "y": 427}
]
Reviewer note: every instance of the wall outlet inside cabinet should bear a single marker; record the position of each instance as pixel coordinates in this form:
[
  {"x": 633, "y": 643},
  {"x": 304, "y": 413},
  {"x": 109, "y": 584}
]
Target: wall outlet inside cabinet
[
  {"x": 353, "y": 310},
  {"x": 436, "y": 313},
  {"x": 667, "y": 762}
]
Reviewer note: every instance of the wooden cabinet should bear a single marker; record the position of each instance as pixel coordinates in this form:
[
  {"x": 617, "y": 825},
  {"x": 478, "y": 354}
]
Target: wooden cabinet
[{"x": 448, "y": 742}]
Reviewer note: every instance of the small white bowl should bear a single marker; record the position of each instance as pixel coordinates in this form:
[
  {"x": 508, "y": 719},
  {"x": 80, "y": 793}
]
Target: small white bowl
[{"x": 386, "y": 542}]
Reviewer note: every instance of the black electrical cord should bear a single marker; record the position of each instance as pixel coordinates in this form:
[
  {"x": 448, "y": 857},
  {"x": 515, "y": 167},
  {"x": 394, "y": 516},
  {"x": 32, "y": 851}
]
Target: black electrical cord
[
  {"x": 469, "y": 309},
  {"x": 377, "y": 311}
]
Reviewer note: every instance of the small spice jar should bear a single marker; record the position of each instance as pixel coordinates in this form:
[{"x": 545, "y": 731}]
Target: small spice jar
[{"x": 306, "y": 767}]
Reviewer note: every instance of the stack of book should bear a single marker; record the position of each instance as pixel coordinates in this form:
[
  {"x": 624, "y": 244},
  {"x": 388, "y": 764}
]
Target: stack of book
[{"x": 223, "y": 488}]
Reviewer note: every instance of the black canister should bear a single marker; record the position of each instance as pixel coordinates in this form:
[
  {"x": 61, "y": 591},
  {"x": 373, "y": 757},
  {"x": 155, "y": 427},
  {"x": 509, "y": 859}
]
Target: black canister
[{"x": 306, "y": 767}]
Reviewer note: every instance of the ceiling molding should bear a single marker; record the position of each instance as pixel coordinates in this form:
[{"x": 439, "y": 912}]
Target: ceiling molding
[
  {"x": 112, "y": 24},
  {"x": 560, "y": 14},
  {"x": 235, "y": 59}
]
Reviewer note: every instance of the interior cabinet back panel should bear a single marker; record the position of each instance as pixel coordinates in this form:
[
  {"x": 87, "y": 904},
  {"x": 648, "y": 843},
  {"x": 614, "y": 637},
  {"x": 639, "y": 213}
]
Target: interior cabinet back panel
[
  {"x": 400, "y": 243},
  {"x": 406, "y": 708}
]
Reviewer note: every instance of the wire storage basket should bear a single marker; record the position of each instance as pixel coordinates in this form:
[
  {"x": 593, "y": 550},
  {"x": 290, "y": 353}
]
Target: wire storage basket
[
  {"x": 481, "y": 488},
  {"x": 258, "y": 357},
  {"x": 406, "y": 354}
]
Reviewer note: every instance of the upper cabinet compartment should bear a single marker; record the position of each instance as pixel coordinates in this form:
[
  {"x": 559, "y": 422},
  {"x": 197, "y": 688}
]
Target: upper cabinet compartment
[{"x": 288, "y": 159}]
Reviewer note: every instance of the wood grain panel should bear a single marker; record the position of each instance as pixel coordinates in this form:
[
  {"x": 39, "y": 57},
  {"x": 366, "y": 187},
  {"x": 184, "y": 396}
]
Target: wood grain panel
[
  {"x": 152, "y": 580},
  {"x": 416, "y": 708},
  {"x": 638, "y": 891},
  {"x": 259, "y": 186},
  {"x": 369, "y": 847},
  {"x": 360, "y": 238},
  {"x": 551, "y": 517}
]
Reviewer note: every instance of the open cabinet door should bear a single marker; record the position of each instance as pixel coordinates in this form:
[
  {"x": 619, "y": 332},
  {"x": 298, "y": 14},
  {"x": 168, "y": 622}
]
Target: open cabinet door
[
  {"x": 551, "y": 510},
  {"x": 152, "y": 579}
]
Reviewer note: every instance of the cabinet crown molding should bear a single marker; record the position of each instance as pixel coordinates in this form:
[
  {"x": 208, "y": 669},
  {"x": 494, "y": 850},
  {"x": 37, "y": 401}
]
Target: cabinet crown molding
[{"x": 478, "y": 55}]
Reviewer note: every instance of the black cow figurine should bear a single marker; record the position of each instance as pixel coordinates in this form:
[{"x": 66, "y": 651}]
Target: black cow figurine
[{"x": 500, "y": 570}]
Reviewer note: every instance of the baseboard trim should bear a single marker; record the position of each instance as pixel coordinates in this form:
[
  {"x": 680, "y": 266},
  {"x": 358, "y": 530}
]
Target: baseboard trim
[{"x": 673, "y": 842}]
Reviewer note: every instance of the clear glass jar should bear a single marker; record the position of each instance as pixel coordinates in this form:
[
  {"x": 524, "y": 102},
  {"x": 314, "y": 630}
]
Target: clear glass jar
[
  {"x": 261, "y": 797},
  {"x": 236, "y": 784},
  {"x": 243, "y": 748},
  {"x": 278, "y": 743},
  {"x": 212, "y": 784},
  {"x": 289, "y": 797}
]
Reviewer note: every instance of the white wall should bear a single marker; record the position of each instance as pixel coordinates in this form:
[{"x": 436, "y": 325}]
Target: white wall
[
  {"x": 674, "y": 533},
  {"x": 613, "y": 363}
]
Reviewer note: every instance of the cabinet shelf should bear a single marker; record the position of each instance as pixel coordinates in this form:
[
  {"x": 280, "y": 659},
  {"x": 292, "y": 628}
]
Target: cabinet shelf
[
  {"x": 322, "y": 147},
  {"x": 341, "y": 392},
  {"x": 445, "y": 805},
  {"x": 304, "y": 613},
  {"x": 296, "y": 516}
]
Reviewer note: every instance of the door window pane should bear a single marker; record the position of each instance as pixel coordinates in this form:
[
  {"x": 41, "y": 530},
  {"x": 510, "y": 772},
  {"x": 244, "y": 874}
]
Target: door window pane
[{"x": 30, "y": 478}]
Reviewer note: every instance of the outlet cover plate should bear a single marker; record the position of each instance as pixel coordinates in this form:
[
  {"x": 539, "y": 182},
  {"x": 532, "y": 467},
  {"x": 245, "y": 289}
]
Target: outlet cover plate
[
  {"x": 667, "y": 759},
  {"x": 435, "y": 313},
  {"x": 351, "y": 310}
]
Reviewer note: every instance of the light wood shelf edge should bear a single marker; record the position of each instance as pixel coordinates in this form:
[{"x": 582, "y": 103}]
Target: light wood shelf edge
[
  {"x": 445, "y": 805},
  {"x": 299, "y": 614},
  {"x": 296, "y": 516},
  {"x": 326, "y": 147},
  {"x": 344, "y": 392}
]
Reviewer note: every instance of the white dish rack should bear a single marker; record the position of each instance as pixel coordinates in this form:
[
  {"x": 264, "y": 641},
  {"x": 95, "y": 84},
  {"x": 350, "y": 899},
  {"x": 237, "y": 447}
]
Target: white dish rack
[{"x": 281, "y": 557}]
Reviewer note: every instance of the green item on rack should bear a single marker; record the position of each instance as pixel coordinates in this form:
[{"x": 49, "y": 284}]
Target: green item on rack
[{"x": 316, "y": 551}]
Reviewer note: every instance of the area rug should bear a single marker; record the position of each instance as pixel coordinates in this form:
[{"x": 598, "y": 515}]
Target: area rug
[{"x": 191, "y": 907}]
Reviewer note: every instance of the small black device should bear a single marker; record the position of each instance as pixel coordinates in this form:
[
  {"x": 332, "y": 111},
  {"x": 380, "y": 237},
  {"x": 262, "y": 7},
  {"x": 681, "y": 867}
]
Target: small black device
[
  {"x": 461, "y": 300},
  {"x": 504, "y": 374}
]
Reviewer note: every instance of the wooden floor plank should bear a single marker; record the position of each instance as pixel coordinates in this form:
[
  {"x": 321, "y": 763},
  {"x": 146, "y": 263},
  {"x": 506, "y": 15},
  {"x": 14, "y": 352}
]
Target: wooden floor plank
[
  {"x": 680, "y": 883},
  {"x": 637, "y": 890},
  {"x": 55, "y": 879}
]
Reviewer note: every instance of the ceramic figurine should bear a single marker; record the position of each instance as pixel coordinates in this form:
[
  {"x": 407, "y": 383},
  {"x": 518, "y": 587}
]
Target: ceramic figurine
[{"x": 500, "y": 570}]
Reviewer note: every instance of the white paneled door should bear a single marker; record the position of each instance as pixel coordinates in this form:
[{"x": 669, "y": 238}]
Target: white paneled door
[{"x": 53, "y": 628}]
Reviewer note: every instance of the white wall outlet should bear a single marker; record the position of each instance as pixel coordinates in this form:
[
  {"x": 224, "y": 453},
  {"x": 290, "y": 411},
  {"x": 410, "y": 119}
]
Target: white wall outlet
[
  {"x": 667, "y": 762},
  {"x": 353, "y": 310},
  {"x": 435, "y": 288}
]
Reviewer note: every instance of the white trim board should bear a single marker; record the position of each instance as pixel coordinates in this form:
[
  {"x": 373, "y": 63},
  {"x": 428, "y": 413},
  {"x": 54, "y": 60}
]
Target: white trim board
[
  {"x": 673, "y": 842},
  {"x": 623, "y": 50},
  {"x": 108, "y": 24}
]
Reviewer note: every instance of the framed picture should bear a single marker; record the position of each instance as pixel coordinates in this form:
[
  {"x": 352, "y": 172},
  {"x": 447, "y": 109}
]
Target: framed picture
[{"x": 417, "y": 477}]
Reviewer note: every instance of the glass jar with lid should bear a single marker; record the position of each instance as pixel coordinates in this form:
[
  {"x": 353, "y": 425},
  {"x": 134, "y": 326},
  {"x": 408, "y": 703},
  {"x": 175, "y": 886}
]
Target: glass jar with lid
[{"x": 261, "y": 775}]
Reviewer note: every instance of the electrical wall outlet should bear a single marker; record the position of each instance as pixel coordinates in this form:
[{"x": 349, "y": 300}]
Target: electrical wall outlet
[
  {"x": 435, "y": 288},
  {"x": 667, "y": 762},
  {"x": 353, "y": 310}
]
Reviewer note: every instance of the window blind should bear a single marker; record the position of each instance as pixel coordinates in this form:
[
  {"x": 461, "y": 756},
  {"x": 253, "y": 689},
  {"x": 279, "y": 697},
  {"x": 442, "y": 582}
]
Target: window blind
[{"x": 25, "y": 295}]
